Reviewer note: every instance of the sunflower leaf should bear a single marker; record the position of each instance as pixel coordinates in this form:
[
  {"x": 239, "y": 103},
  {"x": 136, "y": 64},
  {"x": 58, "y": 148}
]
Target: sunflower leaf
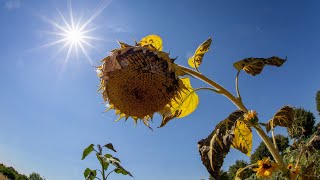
[
  {"x": 284, "y": 117},
  {"x": 152, "y": 41},
  {"x": 242, "y": 138},
  {"x": 90, "y": 174},
  {"x": 180, "y": 106},
  {"x": 195, "y": 60},
  {"x": 254, "y": 66},
  {"x": 87, "y": 151},
  {"x": 215, "y": 147}
]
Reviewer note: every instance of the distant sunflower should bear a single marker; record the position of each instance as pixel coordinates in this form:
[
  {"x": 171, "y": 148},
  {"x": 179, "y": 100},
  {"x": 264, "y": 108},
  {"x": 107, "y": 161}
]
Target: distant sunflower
[
  {"x": 266, "y": 168},
  {"x": 138, "y": 81},
  {"x": 294, "y": 172}
]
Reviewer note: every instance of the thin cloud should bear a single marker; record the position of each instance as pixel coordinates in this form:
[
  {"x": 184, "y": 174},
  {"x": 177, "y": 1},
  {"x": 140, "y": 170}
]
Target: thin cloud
[{"x": 12, "y": 4}]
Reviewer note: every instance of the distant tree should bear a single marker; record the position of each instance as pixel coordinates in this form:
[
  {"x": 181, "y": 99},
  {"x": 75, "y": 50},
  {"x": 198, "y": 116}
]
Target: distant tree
[
  {"x": 234, "y": 168},
  {"x": 11, "y": 173},
  {"x": 318, "y": 101},
  {"x": 302, "y": 124},
  {"x": 262, "y": 150},
  {"x": 35, "y": 176}
]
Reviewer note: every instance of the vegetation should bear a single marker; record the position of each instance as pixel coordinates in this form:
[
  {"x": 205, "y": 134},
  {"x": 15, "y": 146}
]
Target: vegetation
[
  {"x": 11, "y": 173},
  {"x": 105, "y": 160},
  {"x": 302, "y": 124},
  {"x": 140, "y": 80},
  {"x": 262, "y": 150}
]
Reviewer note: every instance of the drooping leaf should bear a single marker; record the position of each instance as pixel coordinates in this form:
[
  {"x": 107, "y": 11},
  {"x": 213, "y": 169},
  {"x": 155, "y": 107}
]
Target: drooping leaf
[
  {"x": 215, "y": 147},
  {"x": 90, "y": 174},
  {"x": 284, "y": 117},
  {"x": 152, "y": 41},
  {"x": 181, "y": 106},
  {"x": 110, "y": 146},
  {"x": 254, "y": 66},
  {"x": 195, "y": 60},
  {"x": 242, "y": 138},
  {"x": 121, "y": 170},
  {"x": 87, "y": 151}
]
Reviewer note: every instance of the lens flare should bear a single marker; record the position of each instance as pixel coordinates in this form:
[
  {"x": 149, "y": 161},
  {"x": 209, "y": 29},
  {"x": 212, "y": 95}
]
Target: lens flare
[{"x": 72, "y": 34}]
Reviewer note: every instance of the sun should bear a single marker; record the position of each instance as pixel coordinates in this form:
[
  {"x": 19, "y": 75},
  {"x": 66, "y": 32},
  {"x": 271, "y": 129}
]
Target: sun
[{"x": 73, "y": 35}]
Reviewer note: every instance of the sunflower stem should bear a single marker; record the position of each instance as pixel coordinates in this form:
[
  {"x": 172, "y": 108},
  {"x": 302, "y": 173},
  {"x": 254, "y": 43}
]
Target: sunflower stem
[
  {"x": 237, "y": 85},
  {"x": 222, "y": 90},
  {"x": 240, "y": 170},
  {"x": 238, "y": 102}
]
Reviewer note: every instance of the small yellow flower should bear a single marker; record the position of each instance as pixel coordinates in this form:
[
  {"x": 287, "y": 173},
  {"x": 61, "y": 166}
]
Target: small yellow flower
[
  {"x": 294, "y": 172},
  {"x": 251, "y": 116},
  {"x": 266, "y": 168}
]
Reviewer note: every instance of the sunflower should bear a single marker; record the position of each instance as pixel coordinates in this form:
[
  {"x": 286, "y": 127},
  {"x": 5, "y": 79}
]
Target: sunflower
[
  {"x": 294, "y": 171},
  {"x": 138, "y": 81},
  {"x": 266, "y": 168}
]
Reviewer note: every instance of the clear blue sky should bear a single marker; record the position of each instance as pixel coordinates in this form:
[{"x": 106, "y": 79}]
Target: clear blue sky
[{"x": 50, "y": 110}]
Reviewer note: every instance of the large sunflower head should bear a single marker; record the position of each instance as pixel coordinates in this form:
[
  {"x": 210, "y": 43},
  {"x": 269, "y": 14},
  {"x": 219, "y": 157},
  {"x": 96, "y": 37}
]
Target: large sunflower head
[
  {"x": 266, "y": 168},
  {"x": 138, "y": 81}
]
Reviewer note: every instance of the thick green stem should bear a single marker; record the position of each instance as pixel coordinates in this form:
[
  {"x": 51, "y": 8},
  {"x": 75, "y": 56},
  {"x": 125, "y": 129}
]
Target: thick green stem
[{"x": 238, "y": 102}]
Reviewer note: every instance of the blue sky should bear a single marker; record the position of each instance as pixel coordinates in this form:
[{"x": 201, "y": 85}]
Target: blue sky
[{"x": 50, "y": 110}]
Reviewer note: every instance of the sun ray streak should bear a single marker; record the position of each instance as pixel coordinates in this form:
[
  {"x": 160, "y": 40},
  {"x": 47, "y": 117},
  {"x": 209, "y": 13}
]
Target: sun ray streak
[
  {"x": 97, "y": 12},
  {"x": 85, "y": 53},
  {"x": 64, "y": 19},
  {"x": 54, "y": 43}
]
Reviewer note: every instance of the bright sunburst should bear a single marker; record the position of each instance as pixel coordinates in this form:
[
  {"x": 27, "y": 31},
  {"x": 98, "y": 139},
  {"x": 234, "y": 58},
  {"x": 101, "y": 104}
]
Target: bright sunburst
[{"x": 72, "y": 34}]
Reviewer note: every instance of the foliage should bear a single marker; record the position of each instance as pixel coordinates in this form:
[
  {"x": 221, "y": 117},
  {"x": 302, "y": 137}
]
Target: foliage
[
  {"x": 196, "y": 60},
  {"x": 11, "y": 173},
  {"x": 318, "y": 101},
  {"x": 262, "y": 150},
  {"x": 302, "y": 125},
  {"x": 35, "y": 176},
  {"x": 234, "y": 168},
  {"x": 284, "y": 117},
  {"x": 105, "y": 160},
  {"x": 309, "y": 161},
  {"x": 254, "y": 66},
  {"x": 223, "y": 175},
  {"x": 215, "y": 147}
]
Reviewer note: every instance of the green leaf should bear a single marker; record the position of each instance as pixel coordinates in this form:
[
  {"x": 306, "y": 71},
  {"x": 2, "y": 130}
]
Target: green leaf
[
  {"x": 284, "y": 118},
  {"x": 90, "y": 174},
  {"x": 255, "y": 66},
  {"x": 215, "y": 147},
  {"x": 103, "y": 163},
  {"x": 182, "y": 105},
  {"x": 121, "y": 170},
  {"x": 110, "y": 146},
  {"x": 196, "y": 60},
  {"x": 87, "y": 151}
]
